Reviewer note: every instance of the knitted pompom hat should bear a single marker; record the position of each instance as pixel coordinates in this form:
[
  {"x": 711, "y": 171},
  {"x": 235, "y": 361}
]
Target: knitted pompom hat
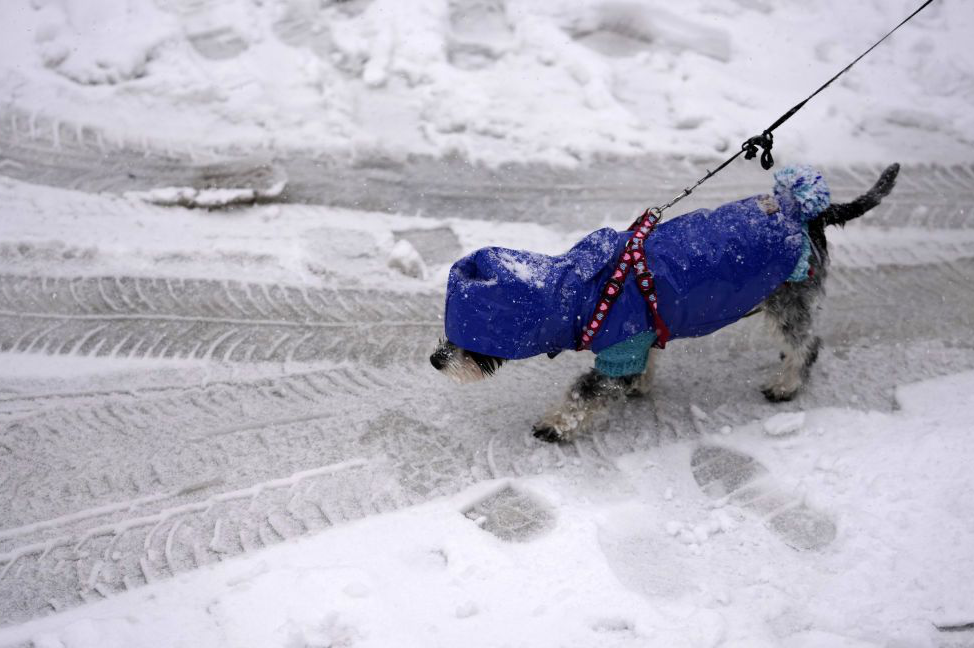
[{"x": 801, "y": 188}]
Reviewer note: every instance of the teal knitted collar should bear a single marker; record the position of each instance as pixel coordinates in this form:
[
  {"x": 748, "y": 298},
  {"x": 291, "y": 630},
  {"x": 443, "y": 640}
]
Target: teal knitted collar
[{"x": 625, "y": 358}]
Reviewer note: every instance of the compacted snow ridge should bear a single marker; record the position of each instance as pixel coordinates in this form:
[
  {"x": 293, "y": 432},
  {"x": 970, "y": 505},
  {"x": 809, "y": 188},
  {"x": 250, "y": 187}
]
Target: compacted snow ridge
[{"x": 225, "y": 231}]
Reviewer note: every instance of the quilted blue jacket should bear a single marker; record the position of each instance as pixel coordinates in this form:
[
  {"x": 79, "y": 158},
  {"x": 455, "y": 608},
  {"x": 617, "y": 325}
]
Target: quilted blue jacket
[{"x": 711, "y": 267}]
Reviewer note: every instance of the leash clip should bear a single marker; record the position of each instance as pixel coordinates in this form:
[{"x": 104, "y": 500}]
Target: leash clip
[{"x": 764, "y": 141}]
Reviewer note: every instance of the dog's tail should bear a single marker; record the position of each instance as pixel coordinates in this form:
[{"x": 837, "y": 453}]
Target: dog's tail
[{"x": 840, "y": 214}]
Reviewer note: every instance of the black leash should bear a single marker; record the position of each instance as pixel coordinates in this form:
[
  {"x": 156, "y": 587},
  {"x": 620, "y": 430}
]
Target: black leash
[{"x": 765, "y": 140}]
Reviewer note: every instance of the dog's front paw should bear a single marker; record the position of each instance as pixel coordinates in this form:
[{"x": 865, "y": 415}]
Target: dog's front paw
[
  {"x": 777, "y": 395},
  {"x": 546, "y": 433},
  {"x": 560, "y": 425}
]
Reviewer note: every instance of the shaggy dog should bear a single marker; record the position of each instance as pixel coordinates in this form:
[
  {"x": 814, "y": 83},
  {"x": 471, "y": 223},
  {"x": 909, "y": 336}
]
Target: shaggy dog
[{"x": 699, "y": 272}]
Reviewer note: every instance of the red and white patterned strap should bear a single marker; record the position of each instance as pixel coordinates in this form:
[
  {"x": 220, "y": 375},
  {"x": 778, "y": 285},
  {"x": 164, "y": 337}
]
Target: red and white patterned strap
[{"x": 633, "y": 258}]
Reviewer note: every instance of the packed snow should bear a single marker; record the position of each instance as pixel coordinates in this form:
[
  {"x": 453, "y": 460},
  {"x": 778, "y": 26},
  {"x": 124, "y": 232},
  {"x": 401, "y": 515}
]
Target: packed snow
[
  {"x": 404, "y": 258},
  {"x": 784, "y": 423},
  {"x": 206, "y": 198}
]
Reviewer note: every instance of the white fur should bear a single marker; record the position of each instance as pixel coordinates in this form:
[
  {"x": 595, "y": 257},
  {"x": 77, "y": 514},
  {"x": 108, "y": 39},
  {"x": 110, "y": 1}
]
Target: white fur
[
  {"x": 790, "y": 375},
  {"x": 463, "y": 369},
  {"x": 787, "y": 378}
]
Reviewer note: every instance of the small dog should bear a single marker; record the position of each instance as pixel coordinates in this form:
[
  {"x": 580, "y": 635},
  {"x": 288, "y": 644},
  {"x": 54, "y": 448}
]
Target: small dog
[{"x": 764, "y": 254}]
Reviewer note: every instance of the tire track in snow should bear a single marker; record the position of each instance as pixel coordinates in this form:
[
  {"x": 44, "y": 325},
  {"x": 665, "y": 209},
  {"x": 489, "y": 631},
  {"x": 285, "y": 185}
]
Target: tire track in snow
[
  {"x": 207, "y": 319},
  {"x": 45, "y": 150}
]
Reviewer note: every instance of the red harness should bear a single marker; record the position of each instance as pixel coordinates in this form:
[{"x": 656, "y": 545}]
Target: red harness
[{"x": 633, "y": 257}]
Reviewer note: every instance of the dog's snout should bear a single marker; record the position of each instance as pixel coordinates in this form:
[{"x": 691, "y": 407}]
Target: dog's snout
[{"x": 438, "y": 361}]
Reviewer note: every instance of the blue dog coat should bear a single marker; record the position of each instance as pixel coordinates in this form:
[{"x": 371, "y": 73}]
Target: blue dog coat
[{"x": 711, "y": 267}]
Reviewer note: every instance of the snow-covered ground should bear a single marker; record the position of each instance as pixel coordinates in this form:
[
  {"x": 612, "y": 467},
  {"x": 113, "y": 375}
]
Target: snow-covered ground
[
  {"x": 225, "y": 229},
  {"x": 203, "y": 384},
  {"x": 496, "y": 80},
  {"x": 632, "y": 556}
]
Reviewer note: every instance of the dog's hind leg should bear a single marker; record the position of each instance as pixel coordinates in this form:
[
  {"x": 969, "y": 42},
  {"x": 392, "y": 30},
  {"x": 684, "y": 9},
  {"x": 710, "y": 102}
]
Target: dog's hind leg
[
  {"x": 789, "y": 309},
  {"x": 789, "y": 312}
]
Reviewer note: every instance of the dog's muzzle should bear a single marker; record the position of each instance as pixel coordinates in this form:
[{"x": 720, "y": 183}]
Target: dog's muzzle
[{"x": 439, "y": 359}]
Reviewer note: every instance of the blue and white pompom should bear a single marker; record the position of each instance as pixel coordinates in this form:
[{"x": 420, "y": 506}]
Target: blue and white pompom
[{"x": 806, "y": 187}]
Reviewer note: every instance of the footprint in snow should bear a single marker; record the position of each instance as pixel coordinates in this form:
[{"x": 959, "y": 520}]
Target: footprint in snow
[
  {"x": 512, "y": 516},
  {"x": 721, "y": 472}
]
